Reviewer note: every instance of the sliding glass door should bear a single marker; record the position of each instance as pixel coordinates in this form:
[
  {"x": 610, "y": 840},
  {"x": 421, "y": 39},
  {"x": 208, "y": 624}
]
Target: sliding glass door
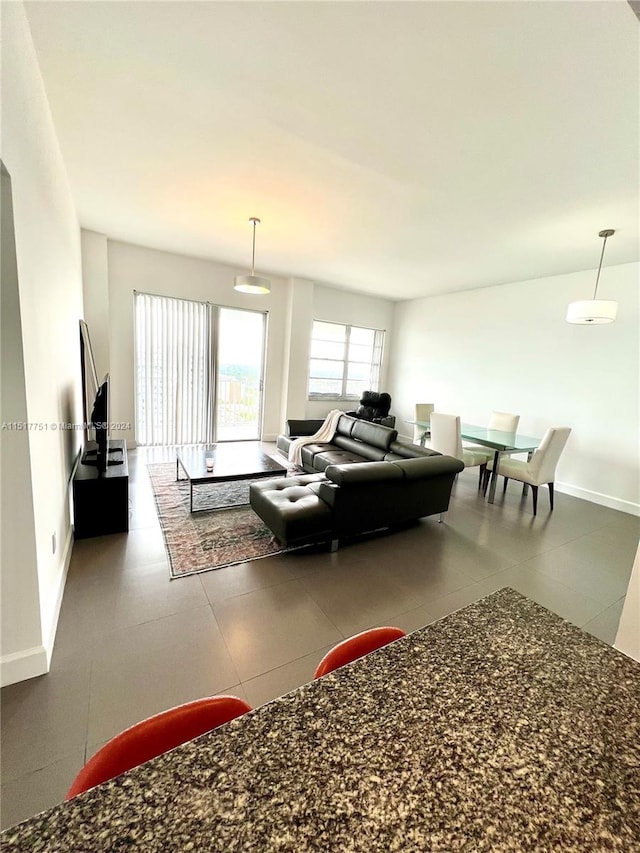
[
  {"x": 239, "y": 369},
  {"x": 198, "y": 371}
]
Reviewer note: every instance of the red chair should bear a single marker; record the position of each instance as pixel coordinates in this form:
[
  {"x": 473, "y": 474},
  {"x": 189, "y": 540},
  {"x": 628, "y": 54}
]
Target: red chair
[
  {"x": 356, "y": 647},
  {"x": 155, "y": 735}
]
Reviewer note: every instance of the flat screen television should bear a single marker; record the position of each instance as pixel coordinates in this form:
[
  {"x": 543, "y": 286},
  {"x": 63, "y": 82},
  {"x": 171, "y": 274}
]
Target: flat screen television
[
  {"x": 89, "y": 377},
  {"x": 100, "y": 423},
  {"x": 100, "y": 455}
]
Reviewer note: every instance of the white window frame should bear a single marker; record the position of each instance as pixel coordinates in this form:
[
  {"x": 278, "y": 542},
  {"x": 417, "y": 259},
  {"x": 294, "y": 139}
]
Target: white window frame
[{"x": 375, "y": 366}]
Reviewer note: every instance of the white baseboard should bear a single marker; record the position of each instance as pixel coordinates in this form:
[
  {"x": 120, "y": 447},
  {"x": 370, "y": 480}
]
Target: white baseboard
[
  {"x": 19, "y": 666},
  {"x": 269, "y": 437},
  {"x": 29, "y": 663},
  {"x": 598, "y": 498},
  {"x": 53, "y": 625}
]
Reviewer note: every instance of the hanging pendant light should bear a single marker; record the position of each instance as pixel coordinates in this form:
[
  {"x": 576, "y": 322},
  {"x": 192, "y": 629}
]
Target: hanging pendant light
[
  {"x": 594, "y": 311},
  {"x": 252, "y": 283}
]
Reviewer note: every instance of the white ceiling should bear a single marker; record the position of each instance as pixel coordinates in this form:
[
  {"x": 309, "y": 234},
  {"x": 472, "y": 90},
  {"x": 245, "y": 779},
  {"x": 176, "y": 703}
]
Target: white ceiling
[{"x": 396, "y": 148}]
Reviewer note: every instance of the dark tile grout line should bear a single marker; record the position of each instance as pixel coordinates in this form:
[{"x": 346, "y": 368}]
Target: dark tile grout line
[
  {"x": 224, "y": 640},
  {"x": 288, "y": 663}
]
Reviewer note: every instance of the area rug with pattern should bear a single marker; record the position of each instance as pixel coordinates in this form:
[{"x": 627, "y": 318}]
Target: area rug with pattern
[{"x": 217, "y": 537}]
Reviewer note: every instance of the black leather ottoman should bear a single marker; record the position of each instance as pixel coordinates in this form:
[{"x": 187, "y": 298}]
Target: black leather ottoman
[{"x": 291, "y": 508}]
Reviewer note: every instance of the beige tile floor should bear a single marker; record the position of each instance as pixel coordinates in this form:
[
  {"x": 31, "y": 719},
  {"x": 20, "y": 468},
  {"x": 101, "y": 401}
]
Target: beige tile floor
[{"x": 131, "y": 643}]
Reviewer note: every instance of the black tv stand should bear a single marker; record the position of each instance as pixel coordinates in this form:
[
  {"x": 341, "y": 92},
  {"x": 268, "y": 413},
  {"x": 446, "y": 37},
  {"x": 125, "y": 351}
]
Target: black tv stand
[
  {"x": 101, "y": 498},
  {"x": 90, "y": 457}
]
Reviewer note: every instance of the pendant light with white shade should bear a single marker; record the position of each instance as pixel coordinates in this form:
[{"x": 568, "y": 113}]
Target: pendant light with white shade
[
  {"x": 255, "y": 284},
  {"x": 594, "y": 311}
]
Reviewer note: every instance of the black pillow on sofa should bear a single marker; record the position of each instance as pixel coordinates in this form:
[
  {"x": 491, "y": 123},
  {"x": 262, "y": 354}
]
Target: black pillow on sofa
[{"x": 373, "y": 404}]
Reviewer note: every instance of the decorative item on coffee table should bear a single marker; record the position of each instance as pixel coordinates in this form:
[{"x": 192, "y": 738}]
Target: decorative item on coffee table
[{"x": 223, "y": 463}]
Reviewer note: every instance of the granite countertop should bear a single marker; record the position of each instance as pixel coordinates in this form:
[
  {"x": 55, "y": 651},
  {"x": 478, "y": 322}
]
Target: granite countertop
[{"x": 499, "y": 728}]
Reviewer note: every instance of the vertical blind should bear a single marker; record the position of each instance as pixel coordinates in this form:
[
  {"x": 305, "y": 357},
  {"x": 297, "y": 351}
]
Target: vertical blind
[{"x": 173, "y": 359}]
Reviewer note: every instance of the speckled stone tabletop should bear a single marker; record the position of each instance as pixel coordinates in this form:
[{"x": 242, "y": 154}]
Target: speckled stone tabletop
[{"x": 498, "y": 728}]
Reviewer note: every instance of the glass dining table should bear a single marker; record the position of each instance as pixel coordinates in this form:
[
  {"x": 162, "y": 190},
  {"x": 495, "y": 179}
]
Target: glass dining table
[{"x": 497, "y": 440}]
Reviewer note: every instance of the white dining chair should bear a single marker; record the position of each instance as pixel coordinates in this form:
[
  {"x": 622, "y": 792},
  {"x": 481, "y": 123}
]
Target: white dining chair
[
  {"x": 504, "y": 421},
  {"x": 446, "y": 439},
  {"x": 499, "y": 420},
  {"x": 422, "y": 413},
  {"x": 540, "y": 470}
]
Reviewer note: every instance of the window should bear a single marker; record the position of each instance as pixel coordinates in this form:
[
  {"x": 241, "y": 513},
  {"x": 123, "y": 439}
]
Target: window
[{"x": 345, "y": 360}]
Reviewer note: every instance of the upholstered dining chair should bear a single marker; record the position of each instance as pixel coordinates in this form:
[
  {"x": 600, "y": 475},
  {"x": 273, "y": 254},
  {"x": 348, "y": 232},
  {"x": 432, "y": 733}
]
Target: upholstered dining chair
[
  {"x": 446, "y": 439},
  {"x": 422, "y": 413},
  {"x": 357, "y": 647},
  {"x": 155, "y": 735},
  {"x": 539, "y": 470},
  {"x": 498, "y": 420}
]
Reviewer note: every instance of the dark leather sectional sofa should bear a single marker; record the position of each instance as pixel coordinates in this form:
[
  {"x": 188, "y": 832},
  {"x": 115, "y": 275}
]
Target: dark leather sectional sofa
[
  {"x": 354, "y": 441},
  {"x": 363, "y": 480}
]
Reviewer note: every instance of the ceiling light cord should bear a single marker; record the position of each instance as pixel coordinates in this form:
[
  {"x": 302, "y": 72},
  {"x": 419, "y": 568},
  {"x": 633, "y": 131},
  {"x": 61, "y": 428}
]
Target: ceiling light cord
[
  {"x": 599, "y": 268},
  {"x": 255, "y": 221}
]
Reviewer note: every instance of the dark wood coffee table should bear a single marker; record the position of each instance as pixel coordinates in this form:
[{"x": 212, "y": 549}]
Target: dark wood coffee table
[{"x": 233, "y": 460}]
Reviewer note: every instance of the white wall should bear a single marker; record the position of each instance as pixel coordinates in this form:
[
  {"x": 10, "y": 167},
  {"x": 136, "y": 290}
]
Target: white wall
[
  {"x": 292, "y": 306},
  {"x": 47, "y": 241},
  {"x": 95, "y": 292},
  {"x": 21, "y": 627},
  {"x": 296, "y": 350},
  {"x": 133, "y": 268},
  {"x": 509, "y": 348}
]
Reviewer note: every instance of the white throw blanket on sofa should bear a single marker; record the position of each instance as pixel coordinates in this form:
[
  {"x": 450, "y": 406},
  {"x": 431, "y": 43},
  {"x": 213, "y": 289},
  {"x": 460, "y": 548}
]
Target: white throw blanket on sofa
[{"x": 324, "y": 434}]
